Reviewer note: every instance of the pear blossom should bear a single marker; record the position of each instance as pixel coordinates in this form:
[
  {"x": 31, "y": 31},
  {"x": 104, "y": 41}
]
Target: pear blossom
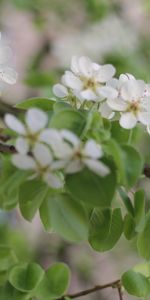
[
  {"x": 29, "y": 132},
  {"x": 85, "y": 80},
  {"x": 133, "y": 103},
  {"x": 112, "y": 90},
  {"x": 7, "y": 74},
  {"x": 42, "y": 164},
  {"x": 84, "y": 155}
]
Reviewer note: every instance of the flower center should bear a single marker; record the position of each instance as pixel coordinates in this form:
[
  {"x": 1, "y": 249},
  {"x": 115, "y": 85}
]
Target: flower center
[{"x": 134, "y": 107}]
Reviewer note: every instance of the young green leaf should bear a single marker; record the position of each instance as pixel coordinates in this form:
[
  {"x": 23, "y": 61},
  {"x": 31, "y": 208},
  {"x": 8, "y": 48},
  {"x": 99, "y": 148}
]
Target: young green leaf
[{"x": 136, "y": 284}]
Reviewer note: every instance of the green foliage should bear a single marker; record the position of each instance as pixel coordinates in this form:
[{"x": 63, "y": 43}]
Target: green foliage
[
  {"x": 91, "y": 189},
  {"x": 105, "y": 229},
  {"x": 45, "y": 104},
  {"x": 26, "y": 277},
  {"x": 136, "y": 284},
  {"x": 68, "y": 217},
  {"x": 143, "y": 242}
]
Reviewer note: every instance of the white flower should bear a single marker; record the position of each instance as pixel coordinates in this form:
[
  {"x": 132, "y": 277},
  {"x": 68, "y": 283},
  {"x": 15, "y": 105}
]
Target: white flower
[
  {"x": 35, "y": 122},
  {"x": 7, "y": 74},
  {"x": 112, "y": 90},
  {"x": 133, "y": 103},
  {"x": 85, "y": 79},
  {"x": 42, "y": 164},
  {"x": 84, "y": 155}
]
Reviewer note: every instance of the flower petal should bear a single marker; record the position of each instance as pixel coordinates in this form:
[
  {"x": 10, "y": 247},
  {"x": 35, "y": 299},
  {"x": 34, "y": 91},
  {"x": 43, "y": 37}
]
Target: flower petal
[
  {"x": 75, "y": 65},
  {"x": 53, "y": 180},
  {"x": 22, "y": 145},
  {"x": 117, "y": 104},
  {"x": 105, "y": 73},
  {"x": 92, "y": 149},
  {"x": 108, "y": 92},
  {"x": 42, "y": 155},
  {"x": 97, "y": 167},
  {"x": 5, "y": 54},
  {"x": 144, "y": 118},
  {"x": 72, "y": 81},
  {"x": 106, "y": 111},
  {"x": 8, "y": 75},
  {"x": 60, "y": 90},
  {"x": 70, "y": 137},
  {"x": 85, "y": 66},
  {"x": 24, "y": 162},
  {"x": 128, "y": 120},
  {"x": 74, "y": 166},
  {"x": 13, "y": 123},
  {"x": 88, "y": 95},
  {"x": 132, "y": 90},
  {"x": 36, "y": 119}
]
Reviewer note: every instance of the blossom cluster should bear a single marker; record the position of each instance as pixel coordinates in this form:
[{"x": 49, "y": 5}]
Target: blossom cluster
[
  {"x": 89, "y": 82},
  {"x": 51, "y": 153},
  {"x": 7, "y": 74}
]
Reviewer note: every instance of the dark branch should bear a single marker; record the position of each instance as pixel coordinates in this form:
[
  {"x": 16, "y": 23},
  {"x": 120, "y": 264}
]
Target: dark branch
[
  {"x": 146, "y": 170},
  {"x": 114, "y": 284},
  {"x": 7, "y": 148},
  {"x": 6, "y": 108}
]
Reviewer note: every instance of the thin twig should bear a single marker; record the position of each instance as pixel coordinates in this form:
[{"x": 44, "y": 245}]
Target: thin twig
[
  {"x": 114, "y": 284},
  {"x": 7, "y": 148},
  {"x": 120, "y": 292}
]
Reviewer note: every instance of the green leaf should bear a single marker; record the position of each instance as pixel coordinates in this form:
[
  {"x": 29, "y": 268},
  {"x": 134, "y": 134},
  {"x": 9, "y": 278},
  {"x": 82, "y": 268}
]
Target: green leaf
[
  {"x": 60, "y": 105},
  {"x": 69, "y": 119},
  {"x": 45, "y": 104},
  {"x": 120, "y": 134},
  {"x": 26, "y": 277},
  {"x": 143, "y": 242},
  {"x": 68, "y": 218},
  {"x": 92, "y": 189},
  {"x": 139, "y": 205},
  {"x": 105, "y": 229},
  {"x": 54, "y": 283},
  {"x": 31, "y": 195},
  {"x": 127, "y": 201},
  {"x": 133, "y": 165},
  {"x": 7, "y": 258},
  {"x": 129, "y": 227},
  {"x": 128, "y": 162},
  {"x": 45, "y": 214},
  {"x": 136, "y": 284},
  {"x": 9, "y": 292}
]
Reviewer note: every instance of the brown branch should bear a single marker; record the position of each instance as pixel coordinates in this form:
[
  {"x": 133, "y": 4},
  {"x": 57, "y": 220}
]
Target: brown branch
[
  {"x": 6, "y": 108},
  {"x": 7, "y": 148},
  {"x": 114, "y": 284},
  {"x": 120, "y": 292},
  {"x": 146, "y": 170}
]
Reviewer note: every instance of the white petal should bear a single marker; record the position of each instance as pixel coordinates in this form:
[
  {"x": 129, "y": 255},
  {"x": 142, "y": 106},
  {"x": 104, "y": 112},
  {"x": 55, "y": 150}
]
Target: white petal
[
  {"x": 75, "y": 64},
  {"x": 60, "y": 90},
  {"x": 22, "y": 145},
  {"x": 106, "y": 111},
  {"x": 74, "y": 166},
  {"x": 92, "y": 149},
  {"x": 54, "y": 139},
  {"x": 85, "y": 66},
  {"x": 5, "y": 54},
  {"x": 36, "y": 119},
  {"x": 108, "y": 92},
  {"x": 13, "y": 123},
  {"x": 70, "y": 137},
  {"x": 53, "y": 180},
  {"x": 88, "y": 95},
  {"x": 58, "y": 164},
  {"x": 125, "y": 77},
  {"x": 42, "y": 155},
  {"x": 113, "y": 82},
  {"x": 8, "y": 75},
  {"x": 23, "y": 162},
  {"x": 72, "y": 81},
  {"x": 144, "y": 117},
  {"x": 105, "y": 73},
  {"x": 117, "y": 104},
  {"x": 128, "y": 120},
  {"x": 97, "y": 167},
  {"x": 132, "y": 89}
]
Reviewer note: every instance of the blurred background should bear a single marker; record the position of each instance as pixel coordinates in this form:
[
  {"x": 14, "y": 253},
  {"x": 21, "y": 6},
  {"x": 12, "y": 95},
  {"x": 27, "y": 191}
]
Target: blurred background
[{"x": 44, "y": 34}]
